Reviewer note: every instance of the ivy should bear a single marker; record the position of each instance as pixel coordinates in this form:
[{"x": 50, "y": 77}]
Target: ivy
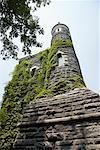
[
  {"x": 24, "y": 88},
  {"x": 11, "y": 110}
]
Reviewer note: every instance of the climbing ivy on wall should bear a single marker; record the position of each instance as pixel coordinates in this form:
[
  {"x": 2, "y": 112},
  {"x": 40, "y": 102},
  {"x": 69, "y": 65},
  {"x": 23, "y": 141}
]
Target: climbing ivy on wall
[
  {"x": 25, "y": 87},
  {"x": 11, "y": 106}
]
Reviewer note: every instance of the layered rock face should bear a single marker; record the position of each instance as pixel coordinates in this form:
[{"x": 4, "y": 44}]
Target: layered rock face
[{"x": 69, "y": 121}]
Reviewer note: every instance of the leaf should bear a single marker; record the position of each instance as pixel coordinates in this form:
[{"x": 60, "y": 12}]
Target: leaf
[{"x": 16, "y": 21}]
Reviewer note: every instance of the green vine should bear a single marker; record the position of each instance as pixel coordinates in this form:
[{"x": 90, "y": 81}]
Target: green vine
[{"x": 25, "y": 87}]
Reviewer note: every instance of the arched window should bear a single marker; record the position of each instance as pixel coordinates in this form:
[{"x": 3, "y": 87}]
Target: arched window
[
  {"x": 33, "y": 69},
  {"x": 60, "y": 59}
]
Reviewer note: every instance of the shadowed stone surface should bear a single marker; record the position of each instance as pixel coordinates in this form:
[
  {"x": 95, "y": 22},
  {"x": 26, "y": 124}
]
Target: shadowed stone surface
[{"x": 69, "y": 121}]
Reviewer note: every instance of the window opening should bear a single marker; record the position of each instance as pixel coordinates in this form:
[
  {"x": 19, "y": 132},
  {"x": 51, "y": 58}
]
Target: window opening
[
  {"x": 58, "y": 30},
  {"x": 33, "y": 69},
  {"x": 60, "y": 59}
]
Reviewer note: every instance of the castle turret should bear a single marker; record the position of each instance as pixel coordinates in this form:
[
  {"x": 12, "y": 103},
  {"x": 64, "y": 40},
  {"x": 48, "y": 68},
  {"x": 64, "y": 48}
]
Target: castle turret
[
  {"x": 60, "y": 31},
  {"x": 67, "y": 65}
]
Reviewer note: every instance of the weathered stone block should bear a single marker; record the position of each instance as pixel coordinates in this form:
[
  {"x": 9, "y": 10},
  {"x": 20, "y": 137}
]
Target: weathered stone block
[{"x": 67, "y": 121}]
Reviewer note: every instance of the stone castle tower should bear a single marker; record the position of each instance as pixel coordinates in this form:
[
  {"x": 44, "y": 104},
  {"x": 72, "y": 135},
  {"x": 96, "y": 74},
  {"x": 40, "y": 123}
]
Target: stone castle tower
[
  {"x": 66, "y": 66},
  {"x": 67, "y": 62},
  {"x": 70, "y": 118}
]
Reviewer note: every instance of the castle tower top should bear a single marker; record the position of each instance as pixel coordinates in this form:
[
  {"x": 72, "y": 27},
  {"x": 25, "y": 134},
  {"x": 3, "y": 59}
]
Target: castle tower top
[{"x": 60, "y": 31}]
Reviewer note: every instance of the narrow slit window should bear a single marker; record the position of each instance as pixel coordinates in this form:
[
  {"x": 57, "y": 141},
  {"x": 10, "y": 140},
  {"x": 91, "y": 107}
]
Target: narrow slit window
[
  {"x": 60, "y": 59},
  {"x": 33, "y": 69}
]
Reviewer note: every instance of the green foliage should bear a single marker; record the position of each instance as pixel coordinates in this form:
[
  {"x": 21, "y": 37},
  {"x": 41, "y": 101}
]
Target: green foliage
[
  {"x": 24, "y": 88},
  {"x": 10, "y": 112},
  {"x": 17, "y": 20},
  {"x": 3, "y": 116},
  {"x": 77, "y": 82},
  {"x": 58, "y": 85},
  {"x": 44, "y": 93},
  {"x": 67, "y": 42}
]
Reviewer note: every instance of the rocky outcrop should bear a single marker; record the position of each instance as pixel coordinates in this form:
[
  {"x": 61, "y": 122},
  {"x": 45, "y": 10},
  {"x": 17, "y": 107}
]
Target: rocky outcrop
[{"x": 69, "y": 121}]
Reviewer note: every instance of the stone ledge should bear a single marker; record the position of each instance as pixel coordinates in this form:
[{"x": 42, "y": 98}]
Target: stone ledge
[{"x": 76, "y": 118}]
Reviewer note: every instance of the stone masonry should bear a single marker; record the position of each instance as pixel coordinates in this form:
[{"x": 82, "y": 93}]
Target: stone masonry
[
  {"x": 69, "y": 121},
  {"x": 70, "y": 66}
]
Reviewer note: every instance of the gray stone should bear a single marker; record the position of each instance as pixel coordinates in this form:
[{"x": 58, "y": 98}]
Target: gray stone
[
  {"x": 69, "y": 121},
  {"x": 78, "y": 129}
]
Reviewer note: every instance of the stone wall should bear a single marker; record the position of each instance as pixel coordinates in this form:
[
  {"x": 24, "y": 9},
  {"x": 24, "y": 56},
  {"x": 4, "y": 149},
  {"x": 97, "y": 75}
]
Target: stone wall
[
  {"x": 60, "y": 31},
  {"x": 34, "y": 59},
  {"x": 69, "y": 121},
  {"x": 69, "y": 69},
  {"x": 63, "y": 73}
]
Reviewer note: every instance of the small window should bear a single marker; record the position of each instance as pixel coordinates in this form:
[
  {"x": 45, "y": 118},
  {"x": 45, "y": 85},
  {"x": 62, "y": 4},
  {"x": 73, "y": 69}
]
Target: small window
[
  {"x": 58, "y": 30},
  {"x": 60, "y": 59},
  {"x": 33, "y": 69}
]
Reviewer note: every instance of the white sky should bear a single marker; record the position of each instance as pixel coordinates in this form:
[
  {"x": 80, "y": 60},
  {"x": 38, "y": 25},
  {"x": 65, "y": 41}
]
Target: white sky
[{"x": 82, "y": 17}]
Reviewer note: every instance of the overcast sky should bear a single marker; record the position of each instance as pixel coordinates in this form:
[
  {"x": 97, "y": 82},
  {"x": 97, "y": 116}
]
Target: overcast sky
[{"x": 82, "y": 18}]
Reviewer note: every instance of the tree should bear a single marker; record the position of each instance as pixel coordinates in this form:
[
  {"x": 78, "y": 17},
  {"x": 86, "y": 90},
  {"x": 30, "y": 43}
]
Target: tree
[{"x": 16, "y": 20}]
